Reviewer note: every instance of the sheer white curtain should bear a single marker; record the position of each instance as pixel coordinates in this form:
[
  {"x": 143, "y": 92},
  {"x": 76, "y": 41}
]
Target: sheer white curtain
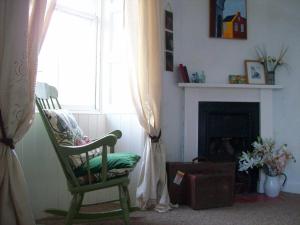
[
  {"x": 143, "y": 29},
  {"x": 21, "y": 27}
]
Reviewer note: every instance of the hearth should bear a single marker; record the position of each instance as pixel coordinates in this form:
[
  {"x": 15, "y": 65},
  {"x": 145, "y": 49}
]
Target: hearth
[{"x": 225, "y": 129}]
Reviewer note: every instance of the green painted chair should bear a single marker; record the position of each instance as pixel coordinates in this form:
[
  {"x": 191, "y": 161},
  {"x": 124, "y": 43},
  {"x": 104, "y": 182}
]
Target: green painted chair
[{"x": 94, "y": 172}]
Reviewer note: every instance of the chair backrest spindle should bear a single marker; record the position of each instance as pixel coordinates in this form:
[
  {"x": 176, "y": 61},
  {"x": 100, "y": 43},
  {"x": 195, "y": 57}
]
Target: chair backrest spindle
[
  {"x": 44, "y": 94},
  {"x": 53, "y": 105}
]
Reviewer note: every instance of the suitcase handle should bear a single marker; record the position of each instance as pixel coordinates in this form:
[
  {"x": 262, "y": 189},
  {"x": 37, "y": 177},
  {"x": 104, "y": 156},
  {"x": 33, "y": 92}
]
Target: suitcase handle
[{"x": 199, "y": 159}]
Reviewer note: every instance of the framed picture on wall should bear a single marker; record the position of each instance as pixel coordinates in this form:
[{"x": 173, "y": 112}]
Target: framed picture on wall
[
  {"x": 255, "y": 72},
  {"x": 228, "y": 19},
  {"x": 169, "y": 48},
  {"x": 169, "y": 20},
  {"x": 169, "y": 41},
  {"x": 169, "y": 61}
]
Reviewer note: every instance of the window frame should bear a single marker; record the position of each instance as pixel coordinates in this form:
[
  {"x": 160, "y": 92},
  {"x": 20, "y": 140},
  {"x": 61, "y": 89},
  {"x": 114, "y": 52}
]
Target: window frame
[{"x": 101, "y": 92}]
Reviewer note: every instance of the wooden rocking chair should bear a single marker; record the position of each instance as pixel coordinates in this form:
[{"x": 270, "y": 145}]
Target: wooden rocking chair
[{"x": 47, "y": 99}]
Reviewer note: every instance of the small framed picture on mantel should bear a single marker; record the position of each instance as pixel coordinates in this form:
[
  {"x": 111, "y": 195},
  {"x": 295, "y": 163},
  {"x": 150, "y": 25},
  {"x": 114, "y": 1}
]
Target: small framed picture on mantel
[{"x": 255, "y": 72}]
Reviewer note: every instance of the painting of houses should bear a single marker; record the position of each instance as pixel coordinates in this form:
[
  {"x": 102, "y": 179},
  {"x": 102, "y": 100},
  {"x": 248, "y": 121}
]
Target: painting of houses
[
  {"x": 228, "y": 19},
  {"x": 235, "y": 26}
]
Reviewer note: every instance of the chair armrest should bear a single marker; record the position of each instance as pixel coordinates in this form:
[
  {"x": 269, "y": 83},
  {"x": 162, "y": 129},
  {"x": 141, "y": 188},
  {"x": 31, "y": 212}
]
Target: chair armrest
[
  {"x": 109, "y": 140},
  {"x": 117, "y": 133}
]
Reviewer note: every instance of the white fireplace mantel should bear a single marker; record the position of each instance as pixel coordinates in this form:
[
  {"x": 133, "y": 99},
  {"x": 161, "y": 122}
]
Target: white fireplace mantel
[
  {"x": 216, "y": 92},
  {"x": 220, "y": 85}
]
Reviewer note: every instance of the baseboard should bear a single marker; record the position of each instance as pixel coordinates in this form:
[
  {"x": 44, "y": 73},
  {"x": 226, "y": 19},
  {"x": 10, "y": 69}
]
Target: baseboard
[{"x": 292, "y": 187}]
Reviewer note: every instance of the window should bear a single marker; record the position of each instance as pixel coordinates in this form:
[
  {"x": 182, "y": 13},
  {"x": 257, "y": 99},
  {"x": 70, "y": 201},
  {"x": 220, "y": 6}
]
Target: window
[
  {"x": 82, "y": 55},
  {"x": 115, "y": 82},
  {"x": 236, "y": 27},
  {"x": 242, "y": 28}
]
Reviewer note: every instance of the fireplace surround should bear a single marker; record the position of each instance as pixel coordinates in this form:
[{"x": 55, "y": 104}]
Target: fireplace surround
[{"x": 195, "y": 93}]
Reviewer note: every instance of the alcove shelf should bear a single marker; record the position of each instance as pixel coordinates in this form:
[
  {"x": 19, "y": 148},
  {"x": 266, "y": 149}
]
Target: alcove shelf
[{"x": 221, "y": 85}]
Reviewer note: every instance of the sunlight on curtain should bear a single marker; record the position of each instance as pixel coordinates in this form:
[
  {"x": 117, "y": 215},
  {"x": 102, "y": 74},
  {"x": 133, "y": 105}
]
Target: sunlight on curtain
[
  {"x": 144, "y": 58},
  {"x": 21, "y": 28}
]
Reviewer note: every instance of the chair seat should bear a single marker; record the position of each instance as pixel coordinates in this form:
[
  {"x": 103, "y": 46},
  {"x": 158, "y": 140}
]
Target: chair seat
[
  {"x": 100, "y": 185},
  {"x": 96, "y": 177}
]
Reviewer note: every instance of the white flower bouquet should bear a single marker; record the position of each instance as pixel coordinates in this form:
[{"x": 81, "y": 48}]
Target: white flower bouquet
[{"x": 264, "y": 155}]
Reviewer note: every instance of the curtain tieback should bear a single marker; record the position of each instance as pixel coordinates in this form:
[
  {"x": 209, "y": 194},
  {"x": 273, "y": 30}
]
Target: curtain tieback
[
  {"x": 7, "y": 141},
  {"x": 155, "y": 139}
]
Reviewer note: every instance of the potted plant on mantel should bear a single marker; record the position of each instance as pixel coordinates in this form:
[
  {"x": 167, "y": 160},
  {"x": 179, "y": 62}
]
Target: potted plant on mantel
[
  {"x": 270, "y": 63},
  {"x": 272, "y": 161}
]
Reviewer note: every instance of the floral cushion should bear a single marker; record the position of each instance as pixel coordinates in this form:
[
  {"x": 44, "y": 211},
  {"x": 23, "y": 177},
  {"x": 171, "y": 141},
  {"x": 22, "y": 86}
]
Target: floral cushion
[{"x": 68, "y": 133}]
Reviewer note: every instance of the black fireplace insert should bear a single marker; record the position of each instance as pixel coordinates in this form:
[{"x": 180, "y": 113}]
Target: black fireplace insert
[{"x": 226, "y": 129}]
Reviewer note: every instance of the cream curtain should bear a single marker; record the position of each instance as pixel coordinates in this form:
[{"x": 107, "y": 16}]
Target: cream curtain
[
  {"x": 21, "y": 31},
  {"x": 143, "y": 28}
]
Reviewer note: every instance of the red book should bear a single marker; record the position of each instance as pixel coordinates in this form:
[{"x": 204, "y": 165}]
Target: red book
[{"x": 183, "y": 73}]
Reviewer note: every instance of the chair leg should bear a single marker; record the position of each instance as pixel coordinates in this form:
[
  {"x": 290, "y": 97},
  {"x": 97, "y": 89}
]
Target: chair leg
[
  {"x": 127, "y": 196},
  {"x": 79, "y": 202},
  {"x": 74, "y": 208},
  {"x": 124, "y": 204}
]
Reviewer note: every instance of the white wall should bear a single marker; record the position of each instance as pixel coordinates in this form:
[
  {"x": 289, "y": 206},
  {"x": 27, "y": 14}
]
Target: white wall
[
  {"x": 270, "y": 22},
  {"x": 46, "y": 183}
]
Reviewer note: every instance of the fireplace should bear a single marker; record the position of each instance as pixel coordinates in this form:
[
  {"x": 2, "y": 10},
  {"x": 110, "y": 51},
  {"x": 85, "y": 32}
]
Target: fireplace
[
  {"x": 225, "y": 129},
  {"x": 262, "y": 95}
]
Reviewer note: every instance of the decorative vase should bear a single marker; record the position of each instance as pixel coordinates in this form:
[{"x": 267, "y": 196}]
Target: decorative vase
[
  {"x": 273, "y": 185},
  {"x": 270, "y": 77},
  {"x": 261, "y": 181}
]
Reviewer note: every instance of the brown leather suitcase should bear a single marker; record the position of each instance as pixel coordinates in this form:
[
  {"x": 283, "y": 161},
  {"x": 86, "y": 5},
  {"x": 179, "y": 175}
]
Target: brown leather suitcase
[
  {"x": 178, "y": 193},
  {"x": 210, "y": 190}
]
